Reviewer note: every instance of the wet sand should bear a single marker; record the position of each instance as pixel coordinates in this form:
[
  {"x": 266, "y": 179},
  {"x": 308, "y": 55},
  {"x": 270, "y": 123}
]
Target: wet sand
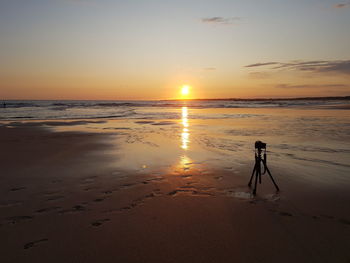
[{"x": 65, "y": 197}]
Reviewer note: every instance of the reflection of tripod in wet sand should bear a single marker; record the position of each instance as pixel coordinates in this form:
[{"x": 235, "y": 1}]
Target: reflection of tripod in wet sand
[{"x": 259, "y": 146}]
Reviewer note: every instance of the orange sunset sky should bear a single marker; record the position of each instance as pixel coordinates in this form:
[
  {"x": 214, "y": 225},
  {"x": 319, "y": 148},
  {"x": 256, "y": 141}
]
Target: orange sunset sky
[{"x": 104, "y": 49}]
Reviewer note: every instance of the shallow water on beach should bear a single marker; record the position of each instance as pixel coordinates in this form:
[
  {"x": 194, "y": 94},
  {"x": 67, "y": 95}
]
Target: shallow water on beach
[{"x": 309, "y": 144}]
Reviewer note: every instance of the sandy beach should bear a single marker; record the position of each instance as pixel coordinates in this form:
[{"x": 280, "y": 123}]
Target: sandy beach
[
  {"x": 174, "y": 131},
  {"x": 142, "y": 191}
]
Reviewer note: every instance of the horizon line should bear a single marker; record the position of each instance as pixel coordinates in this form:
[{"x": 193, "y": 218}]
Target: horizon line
[{"x": 197, "y": 99}]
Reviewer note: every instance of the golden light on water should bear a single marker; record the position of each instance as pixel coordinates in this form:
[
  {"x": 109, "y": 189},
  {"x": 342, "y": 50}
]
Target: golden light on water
[
  {"x": 185, "y": 162},
  {"x": 185, "y": 134}
]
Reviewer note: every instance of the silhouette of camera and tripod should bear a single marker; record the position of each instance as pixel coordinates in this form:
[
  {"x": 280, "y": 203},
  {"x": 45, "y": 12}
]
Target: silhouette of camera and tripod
[{"x": 260, "y": 162}]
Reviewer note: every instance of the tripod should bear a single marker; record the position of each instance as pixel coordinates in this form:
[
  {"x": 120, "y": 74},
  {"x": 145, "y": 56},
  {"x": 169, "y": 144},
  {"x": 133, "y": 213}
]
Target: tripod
[{"x": 259, "y": 148}]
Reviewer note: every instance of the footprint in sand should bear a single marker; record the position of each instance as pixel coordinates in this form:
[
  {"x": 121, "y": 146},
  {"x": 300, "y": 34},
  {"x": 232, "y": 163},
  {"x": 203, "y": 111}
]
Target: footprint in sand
[
  {"x": 48, "y": 209},
  {"x": 10, "y": 203},
  {"x": 125, "y": 208},
  {"x": 192, "y": 191},
  {"x": 281, "y": 213},
  {"x": 33, "y": 243},
  {"x": 108, "y": 192},
  {"x": 55, "y": 197},
  {"x": 99, "y": 199},
  {"x": 127, "y": 185},
  {"x": 100, "y": 222},
  {"x": 17, "y": 188},
  {"x": 88, "y": 180},
  {"x": 76, "y": 208},
  {"x": 18, "y": 219},
  {"x": 340, "y": 220},
  {"x": 155, "y": 179},
  {"x": 90, "y": 188}
]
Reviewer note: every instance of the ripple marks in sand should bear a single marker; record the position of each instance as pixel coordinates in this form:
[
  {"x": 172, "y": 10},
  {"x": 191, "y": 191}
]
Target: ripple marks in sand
[
  {"x": 33, "y": 243},
  {"x": 190, "y": 191}
]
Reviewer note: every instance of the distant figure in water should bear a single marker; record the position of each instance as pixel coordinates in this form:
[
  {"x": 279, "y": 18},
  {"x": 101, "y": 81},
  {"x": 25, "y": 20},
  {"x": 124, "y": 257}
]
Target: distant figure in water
[{"x": 4, "y": 104}]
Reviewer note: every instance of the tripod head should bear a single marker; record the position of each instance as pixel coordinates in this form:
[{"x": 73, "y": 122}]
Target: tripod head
[{"x": 259, "y": 147}]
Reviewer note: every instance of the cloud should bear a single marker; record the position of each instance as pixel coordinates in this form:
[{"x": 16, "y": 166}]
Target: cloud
[
  {"x": 218, "y": 20},
  {"x": 261, "y": 64},
  {"x": 307, "y": 86},
  {"x": 342, "y": 5},
  {"x": 316, "y": 66},
  {"x": 209, "y": 69}
]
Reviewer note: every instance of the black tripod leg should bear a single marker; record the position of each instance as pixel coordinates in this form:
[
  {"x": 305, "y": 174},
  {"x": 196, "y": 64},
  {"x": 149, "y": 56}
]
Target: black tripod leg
[
  {"x": 251, "y": 178},
  {"x": 268, "y": 171},
  {"x": 256, "y": 181},
  {"x": 260, "y": 177}
]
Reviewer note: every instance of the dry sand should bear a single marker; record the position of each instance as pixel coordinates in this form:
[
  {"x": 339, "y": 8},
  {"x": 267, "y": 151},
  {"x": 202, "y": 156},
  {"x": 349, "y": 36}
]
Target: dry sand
[{"x": 61, "y": 200}]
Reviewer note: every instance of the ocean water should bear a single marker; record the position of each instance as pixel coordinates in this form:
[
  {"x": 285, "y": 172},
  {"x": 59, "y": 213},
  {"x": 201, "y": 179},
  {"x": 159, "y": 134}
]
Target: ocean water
[
  {"x": 307, "y": 139},
  {"x": 69, "y": 109}
]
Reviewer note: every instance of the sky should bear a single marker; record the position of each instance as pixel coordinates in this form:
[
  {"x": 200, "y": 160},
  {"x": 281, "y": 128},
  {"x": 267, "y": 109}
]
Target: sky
[{"x": 148, "y": 49}]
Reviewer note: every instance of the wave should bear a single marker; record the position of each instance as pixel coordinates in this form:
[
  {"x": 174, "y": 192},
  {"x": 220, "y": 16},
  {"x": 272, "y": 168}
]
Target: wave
[
  {"x": 65, "y": 109},
  {"x": 220, "y": 103}
]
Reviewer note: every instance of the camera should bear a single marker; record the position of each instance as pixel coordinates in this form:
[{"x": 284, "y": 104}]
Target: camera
[
  {"x": 260, "y": 145},
  {"x": 260, "y": 162}
]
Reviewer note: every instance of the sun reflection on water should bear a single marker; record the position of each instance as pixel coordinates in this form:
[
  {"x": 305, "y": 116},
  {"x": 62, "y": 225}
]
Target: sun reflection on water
[
  {"x": 185, "y": 134},
  {"x": 185, "y": 163}
]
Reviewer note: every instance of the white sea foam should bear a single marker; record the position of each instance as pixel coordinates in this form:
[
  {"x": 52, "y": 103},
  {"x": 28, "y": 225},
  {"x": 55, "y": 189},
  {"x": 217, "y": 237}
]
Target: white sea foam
[{"x": 68, "y": 109}]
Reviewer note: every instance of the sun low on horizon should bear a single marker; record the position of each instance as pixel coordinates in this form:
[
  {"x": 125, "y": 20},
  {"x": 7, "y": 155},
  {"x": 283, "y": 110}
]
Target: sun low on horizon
[{"x": 185, "y": 91}]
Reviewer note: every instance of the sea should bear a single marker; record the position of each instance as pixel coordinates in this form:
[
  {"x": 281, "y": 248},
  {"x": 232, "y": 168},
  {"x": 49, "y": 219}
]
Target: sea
[
  {"x": 309, "y": 139},
  {"x": 118, "y": 109}
]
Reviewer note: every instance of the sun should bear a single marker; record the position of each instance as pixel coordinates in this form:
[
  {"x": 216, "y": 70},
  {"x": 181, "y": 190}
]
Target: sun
[{"x": 185, "y": 90}]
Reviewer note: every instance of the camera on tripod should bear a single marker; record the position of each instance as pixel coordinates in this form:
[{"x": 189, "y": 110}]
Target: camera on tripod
[
  {"x": 260, "y": 145},
  {"x": 260, "y": 162}
]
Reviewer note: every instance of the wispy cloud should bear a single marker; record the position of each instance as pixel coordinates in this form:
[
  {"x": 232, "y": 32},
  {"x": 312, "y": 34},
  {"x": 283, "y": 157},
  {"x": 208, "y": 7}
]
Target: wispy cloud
[
  {"x": 307, "y": 86},
  {"x": 209, "y": 69},
  {"x": 342, "y": 5},
  {"x": 261, "y": 64},
  {"x": 316, "y": 66},
  {"x": 218, "y": 20}
]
